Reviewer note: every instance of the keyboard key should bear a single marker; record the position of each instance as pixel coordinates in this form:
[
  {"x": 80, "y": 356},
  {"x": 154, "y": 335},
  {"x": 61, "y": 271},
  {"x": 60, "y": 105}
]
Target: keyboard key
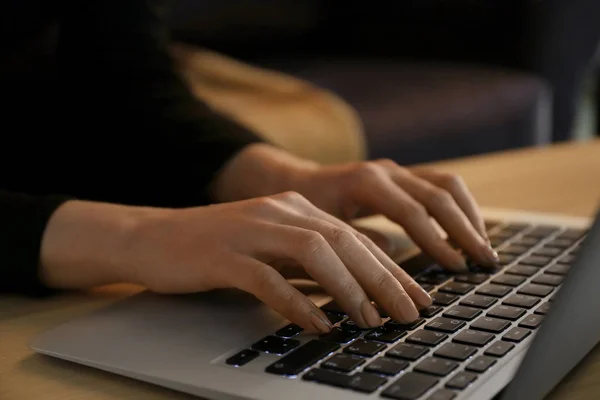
[
  {"x": 547, "y": 252},
  {"x": 474, "y": 277},
  {"x": 242, "y": 358},
  {"x": 527, "y": 241},
  {"x": 497, "y": 241},
  {"x": 573, "y": 234},
  {"x": 532, "y": 321},
  {"x": 364, "y": 348},
  {"x": 361, "y": 382},
  {"x": 305, "y": 356},
  {"x": 533, "y": 289},
  {"x": 508, "y": 280},
  {"x": 275, "y": 345},
  {"x": 568, "y": 259},
  {"x": 338, "y": 335},
  {"x": 384, "y": 334},
  {"x": 431, "y": 311},
  {"x": 333, "y": 307},
  {"x": 443, "y": 299},
  {"x": 481, "y": 364},
  {"x": 442, "y": 394},
  {"x": 334, "y": 318},
  {"x": 505, "y": 259},
  {"x": 506, "y": 312},
  {"x": 343, "y": 362},
  {"x": 499, "y": 349},
  {"x": 462, "y": 312},
  {"x": 515, "y": 249},
  {"x": 434, "y": 277},
  {"x": 473, "y": 337},
  {"x": 478, "y": 301},
  {"x": 523, "y": 270},
  {"x": 503, "y": 234},
  {"x": 436, "y": 366},
  {"x": 407, "y": 351},
  {"x": 558, "y": 269},
  {"x": 494, "y": 290},
  {"x": 536, "y": 261},
  {"x": 289, "y": 331},
  {"x": 490, "y": 224},
  {"x": 489, "y": 324},
  {"x": 427, "y": 338},
  {"x": 394, "y": 325},
  {"x": 461, "y": 380},
  {"x": 542, "y": 232},
  {"x": 410, "y": 386},
  {"x": 447, "y": 325},
  {"x": 543, "y": 309},
  {"x": 350, "y": 325},
  {"x": 521, "y": 300},
  {"x": 561, "y": 244},
  {"x": 548, "y": 279},
  {"x": 427, "y": 286},
  {"x": 457, "y": 288},
  {"x": 516, "y": 335},
  {"x": 387, "y": 366},
  {"x": 455, "y": 351}
]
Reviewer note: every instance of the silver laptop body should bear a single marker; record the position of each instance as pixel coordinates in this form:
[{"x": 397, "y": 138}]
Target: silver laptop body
[{"x": 187, "y": 343}]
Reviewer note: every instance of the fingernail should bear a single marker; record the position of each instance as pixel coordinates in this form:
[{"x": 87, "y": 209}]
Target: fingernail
[
  {"x": 422, "y": 297},
  {"x": 370, "y": 314},
  {"x": 490, "y": 255},
  {"x": 321, "y": 323}
]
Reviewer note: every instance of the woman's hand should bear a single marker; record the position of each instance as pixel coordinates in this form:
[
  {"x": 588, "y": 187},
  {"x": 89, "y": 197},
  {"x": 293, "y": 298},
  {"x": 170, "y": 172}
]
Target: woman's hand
[
  {"x": 233, "y": 245},
  {"x": 409, "y": 197}
]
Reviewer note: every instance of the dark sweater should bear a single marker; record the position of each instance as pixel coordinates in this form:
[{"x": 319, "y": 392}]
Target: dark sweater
[{"x": 92, "y": 108}]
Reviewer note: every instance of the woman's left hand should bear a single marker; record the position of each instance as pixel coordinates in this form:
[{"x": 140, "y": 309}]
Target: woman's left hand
[{"x": 409, "y": 197}]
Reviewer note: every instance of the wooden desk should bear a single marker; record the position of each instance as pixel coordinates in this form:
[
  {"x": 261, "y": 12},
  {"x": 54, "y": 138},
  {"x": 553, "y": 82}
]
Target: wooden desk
[{"x": 563, "y": 179}]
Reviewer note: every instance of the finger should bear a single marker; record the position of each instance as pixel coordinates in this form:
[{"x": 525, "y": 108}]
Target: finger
[
  {"x": 271, "y": 288},
  {"x": 441, "y": 205},
  {"x": 310, "y": 249},
  {"x": 420, "y": 298},
  {"x": 454, "y": 185},
  {"x": 373, "y": 277},
  {"x": 376, "y": 190}
]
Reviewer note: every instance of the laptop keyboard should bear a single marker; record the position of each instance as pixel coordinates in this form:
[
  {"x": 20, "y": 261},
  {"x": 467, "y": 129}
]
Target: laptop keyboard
[{"x": 476, "y": 319}]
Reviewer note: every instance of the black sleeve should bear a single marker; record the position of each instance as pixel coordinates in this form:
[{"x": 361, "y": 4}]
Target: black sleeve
[
  {"x": 23, "y": 219},
  {"x": 132, "y": 131}
]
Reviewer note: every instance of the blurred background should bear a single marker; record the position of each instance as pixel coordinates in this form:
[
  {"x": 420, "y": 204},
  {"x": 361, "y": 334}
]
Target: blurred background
[{"x": 410, "y": 80}]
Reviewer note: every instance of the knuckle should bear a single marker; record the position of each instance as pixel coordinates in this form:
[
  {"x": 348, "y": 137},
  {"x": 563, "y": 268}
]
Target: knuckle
[
  {"x": 380, "y": 282},
  {"x": 367, "y": 171},
  {"x": 414, "y": 211},
  {"x": 342, "y": 237},
  {"x": 386, "y": 162},
  {"x": 313, "y": 242},
  {"x": 440, "y": 198},
  {"x": 262, "y": 280},
  {"x": 451, "y": 181},
  {"x": 265, "y": 203},
  {"x": 291, "y": 197}
]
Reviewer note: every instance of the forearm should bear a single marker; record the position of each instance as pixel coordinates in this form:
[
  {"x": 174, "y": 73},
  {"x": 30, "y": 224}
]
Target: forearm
[{"x": 85, "y": 244}]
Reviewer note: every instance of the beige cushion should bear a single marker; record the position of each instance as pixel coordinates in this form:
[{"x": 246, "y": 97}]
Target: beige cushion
[{"x": 305, "y": 120}]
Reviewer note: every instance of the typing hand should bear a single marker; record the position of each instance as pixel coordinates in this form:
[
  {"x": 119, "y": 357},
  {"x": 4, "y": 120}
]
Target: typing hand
[
  {"x": 409, "y": 197},
  {"x": 242, "y": 244}
]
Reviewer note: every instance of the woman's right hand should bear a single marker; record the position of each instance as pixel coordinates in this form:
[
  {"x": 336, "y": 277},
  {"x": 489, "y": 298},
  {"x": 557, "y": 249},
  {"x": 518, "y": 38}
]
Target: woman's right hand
[{"x": 243, "y": 244}]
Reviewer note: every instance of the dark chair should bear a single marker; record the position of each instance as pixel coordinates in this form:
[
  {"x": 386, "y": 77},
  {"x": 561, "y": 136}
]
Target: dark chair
[{"x": 412, "y": 111}]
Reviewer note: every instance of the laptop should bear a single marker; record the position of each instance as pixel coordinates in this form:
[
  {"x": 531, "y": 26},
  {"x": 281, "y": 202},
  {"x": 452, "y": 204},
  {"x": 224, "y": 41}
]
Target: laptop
[{"x": 512, "y": 333}]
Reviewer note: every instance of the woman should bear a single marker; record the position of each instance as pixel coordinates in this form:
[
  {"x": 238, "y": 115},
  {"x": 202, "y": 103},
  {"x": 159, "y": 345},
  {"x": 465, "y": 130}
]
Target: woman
[{"x": 135, "y": 181}]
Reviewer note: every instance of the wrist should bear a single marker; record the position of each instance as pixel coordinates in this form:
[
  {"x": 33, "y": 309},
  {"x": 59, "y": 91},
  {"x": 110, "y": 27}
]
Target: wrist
[
  {"x": 260, "y": 170},
  {"x": 86, "y": 244}
]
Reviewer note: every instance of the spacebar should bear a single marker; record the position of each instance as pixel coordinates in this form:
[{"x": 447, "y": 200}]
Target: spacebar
[{"x": 302, "y": 358}]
